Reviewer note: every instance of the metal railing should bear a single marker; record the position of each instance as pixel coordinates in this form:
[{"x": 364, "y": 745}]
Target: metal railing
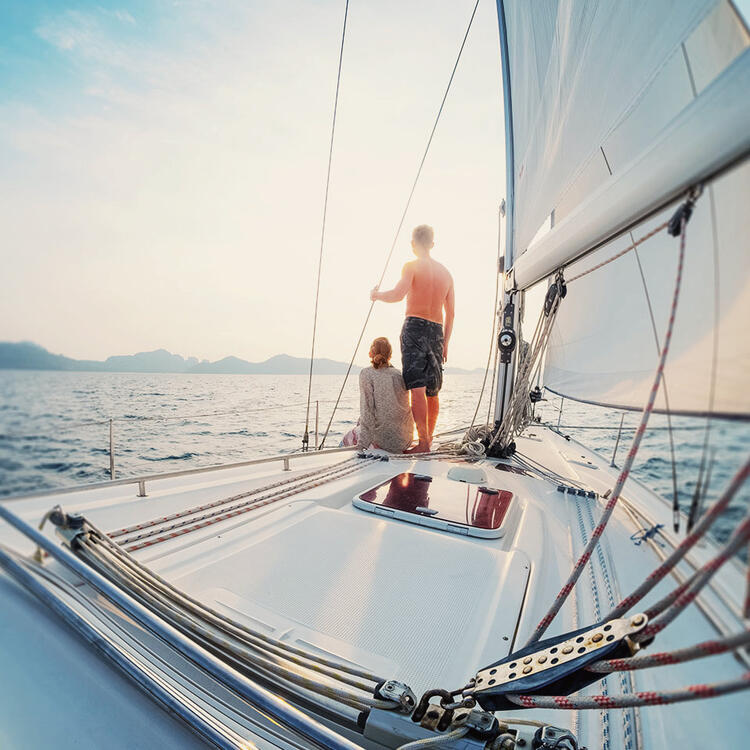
[
  {"x": 137, "y": 418},
  {"x": 284, "y": 458}
]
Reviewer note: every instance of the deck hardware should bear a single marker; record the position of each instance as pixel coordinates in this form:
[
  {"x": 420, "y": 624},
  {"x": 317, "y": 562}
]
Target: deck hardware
[
  {"x": 401, "y": 693},
  {"x": 286, "y": 465},
  {"x": 68, "y": 526},
  {"x": 480, "y": 723},
  {"x": 549, "y": 738},
  {"x": 142, "y": 488},
  {"x": 393, "y": 729},
  {"x": 555, "y": 666}
]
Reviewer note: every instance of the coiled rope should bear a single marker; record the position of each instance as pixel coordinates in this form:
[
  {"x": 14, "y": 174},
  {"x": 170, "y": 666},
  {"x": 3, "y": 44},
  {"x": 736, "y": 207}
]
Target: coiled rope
[{"x": 401, "y": 221}]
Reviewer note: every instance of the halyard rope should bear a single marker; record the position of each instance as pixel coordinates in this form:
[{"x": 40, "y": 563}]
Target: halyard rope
[
  {"x": 678, "y": 656},
  {"x": 648, "y": 698},
  {"x": 513, "y": 421},
  {"x": 401, "y": 222},
  {"x": 306, "y": 438},
  {"x": 493, "y": 347},
  {"x": 615, "y": 496}
]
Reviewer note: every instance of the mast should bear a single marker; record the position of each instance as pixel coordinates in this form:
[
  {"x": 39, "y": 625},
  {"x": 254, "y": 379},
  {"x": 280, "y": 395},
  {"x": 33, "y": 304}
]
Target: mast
[{"x": 506, "y": 368}]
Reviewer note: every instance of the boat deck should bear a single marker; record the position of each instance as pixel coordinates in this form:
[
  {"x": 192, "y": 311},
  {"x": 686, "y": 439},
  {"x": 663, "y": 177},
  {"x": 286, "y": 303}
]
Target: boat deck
[{"x": 423, "y": 605}]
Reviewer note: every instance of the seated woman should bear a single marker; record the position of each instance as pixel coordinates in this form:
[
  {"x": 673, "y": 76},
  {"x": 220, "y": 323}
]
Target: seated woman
[{"x": 385, "y": 419}]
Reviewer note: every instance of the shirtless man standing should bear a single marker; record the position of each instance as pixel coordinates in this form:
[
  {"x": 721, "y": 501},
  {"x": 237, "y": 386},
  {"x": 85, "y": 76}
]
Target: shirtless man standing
[{"x": 428, "y": 288}]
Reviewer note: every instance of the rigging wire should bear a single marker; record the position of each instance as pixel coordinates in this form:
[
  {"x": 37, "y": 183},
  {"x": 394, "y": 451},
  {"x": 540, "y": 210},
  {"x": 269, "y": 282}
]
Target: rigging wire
[
  {"x": 647, "y": 409},
  {"x": 494, "y": 316},
  {"x": 675, "y": 495},
  {"x": 401, "y": 221},
  {"x": 700, "y": 492},
  {"x": 306, "y": 437}
]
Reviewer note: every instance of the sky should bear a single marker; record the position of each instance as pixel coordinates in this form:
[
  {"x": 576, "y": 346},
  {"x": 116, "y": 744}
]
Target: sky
[{"x": 162, "y": 172}]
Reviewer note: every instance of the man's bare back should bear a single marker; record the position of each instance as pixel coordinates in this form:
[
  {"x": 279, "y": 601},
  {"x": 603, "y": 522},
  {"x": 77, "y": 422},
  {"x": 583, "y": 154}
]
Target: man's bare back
[
  {"x": 430, "y": 304},
  {"x": 430, "y": 285}
]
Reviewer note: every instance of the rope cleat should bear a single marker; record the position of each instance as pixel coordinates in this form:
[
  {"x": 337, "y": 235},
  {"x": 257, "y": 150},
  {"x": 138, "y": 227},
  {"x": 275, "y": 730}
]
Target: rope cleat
[{"x": 555, "y": 666}]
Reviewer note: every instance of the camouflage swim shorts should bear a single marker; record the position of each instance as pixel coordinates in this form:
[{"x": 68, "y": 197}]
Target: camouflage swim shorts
[{"x": 422, "y": 355}]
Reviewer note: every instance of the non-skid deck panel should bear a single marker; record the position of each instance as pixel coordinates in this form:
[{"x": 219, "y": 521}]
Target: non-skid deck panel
[{"x": 433, "y": 606}]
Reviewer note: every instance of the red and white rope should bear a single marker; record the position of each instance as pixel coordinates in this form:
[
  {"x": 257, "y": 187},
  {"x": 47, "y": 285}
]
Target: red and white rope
[
  {"x": 181, "y": 528},
  {"x": 227, "y": 500},
  {"x": 687, "y": 543},
  {"x": 627, "y": 466},
  {"x": 648, "y": 698},
  {"x": 645, "y": 237},
  {"x": 739, "y": 538},
  {"x": 698, "y": 651}
]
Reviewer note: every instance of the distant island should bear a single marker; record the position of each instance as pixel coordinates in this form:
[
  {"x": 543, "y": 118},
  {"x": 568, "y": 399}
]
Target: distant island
[{"x": 26, "y": 355}]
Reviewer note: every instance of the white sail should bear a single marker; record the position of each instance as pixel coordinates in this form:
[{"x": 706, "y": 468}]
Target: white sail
[
  {"x": 603, "y": 349},
  {"x": 616, "y": 107}
]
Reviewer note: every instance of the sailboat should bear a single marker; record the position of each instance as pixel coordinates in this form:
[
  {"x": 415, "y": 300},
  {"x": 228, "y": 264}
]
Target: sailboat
[{"x": 488, "y": 594}]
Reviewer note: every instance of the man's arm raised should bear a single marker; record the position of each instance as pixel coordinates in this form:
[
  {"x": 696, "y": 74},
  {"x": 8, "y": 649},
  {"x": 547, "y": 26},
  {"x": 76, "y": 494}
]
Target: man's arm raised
[
  {"x": 399, "y": 291},
  {"x": 450, "y": 310}
]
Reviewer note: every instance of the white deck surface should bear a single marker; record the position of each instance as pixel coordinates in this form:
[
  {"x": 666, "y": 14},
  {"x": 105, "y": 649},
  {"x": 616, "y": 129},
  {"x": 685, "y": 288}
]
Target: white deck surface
[{"x": 418, "y": 604}]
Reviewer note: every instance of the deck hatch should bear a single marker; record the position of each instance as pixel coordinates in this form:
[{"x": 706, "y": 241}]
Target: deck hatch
[{"x": 440, "y": 503}]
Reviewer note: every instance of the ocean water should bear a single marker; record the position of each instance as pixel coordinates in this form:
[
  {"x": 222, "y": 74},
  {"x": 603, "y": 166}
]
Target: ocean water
[{"x": 54, "y": 428}]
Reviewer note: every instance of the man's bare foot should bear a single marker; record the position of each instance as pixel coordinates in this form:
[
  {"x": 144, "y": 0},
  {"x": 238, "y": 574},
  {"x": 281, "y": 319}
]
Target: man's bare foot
[{"x": 421, "y": 447}]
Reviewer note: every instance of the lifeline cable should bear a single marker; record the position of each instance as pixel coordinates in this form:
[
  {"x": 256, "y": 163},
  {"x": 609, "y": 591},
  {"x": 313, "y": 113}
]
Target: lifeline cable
[
  {"x": 615, "y": 496},
  {"x": 401, "y": 222},
  {"x": 306, "y": 437},
  {"x": 740, "y": 537},
  {"x": 687, "y": 543}
]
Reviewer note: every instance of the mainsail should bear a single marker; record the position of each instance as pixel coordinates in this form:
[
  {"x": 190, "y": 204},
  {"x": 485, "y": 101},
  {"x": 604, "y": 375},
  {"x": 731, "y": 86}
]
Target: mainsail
[{"x": 618, "y": 108}]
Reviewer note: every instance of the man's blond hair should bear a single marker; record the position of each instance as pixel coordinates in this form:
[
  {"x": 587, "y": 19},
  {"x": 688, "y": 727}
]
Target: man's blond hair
[{"x": 423, "y": 235}]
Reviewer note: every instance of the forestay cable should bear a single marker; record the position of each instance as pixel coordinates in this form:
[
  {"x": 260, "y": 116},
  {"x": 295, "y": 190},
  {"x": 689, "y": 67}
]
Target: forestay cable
[
  {"x": 306, "y": 437},
  {"x": 401, "y": 222}
]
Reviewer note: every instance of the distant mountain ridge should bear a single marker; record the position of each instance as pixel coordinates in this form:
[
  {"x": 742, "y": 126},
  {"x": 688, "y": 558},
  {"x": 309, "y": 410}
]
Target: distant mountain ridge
[{"x": 26, "y": 355}]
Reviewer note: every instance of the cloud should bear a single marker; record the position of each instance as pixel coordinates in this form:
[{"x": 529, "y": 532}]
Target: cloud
[{"x": 172, "y": 193}]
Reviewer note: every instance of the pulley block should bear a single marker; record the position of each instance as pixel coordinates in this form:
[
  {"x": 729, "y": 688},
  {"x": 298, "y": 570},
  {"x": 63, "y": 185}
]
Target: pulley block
[{"x": 555, "y": 666}]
